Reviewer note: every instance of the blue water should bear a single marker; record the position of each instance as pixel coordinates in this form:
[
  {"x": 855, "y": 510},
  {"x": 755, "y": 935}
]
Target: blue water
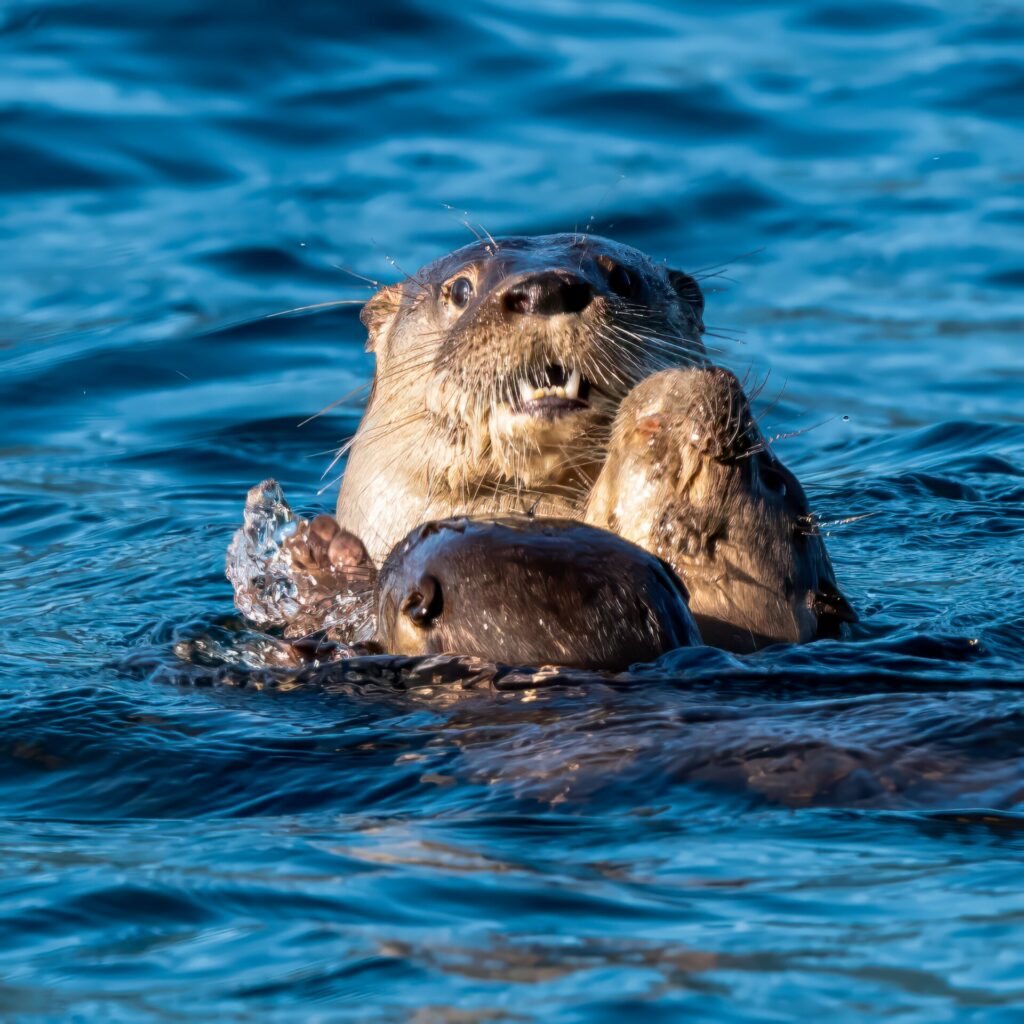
[{"x": 835, "y": 830}]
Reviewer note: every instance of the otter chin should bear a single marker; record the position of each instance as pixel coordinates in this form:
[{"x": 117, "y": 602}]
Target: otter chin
[
  {"x": 690, "y": 477},
  {"x": 529, "y": 591},
  {"x": 500, "y": 369}
]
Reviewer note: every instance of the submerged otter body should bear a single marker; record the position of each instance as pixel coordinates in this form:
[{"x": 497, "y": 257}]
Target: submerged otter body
[
  {"x": 500, "y": 368},
  {"x": 531, "y": 592},
  {"x": 690, "y": 477}
]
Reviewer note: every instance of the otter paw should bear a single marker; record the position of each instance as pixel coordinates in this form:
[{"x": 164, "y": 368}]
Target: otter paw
[
  {"x": 334, "y": 579},
  {"x": 305, "y": 576}
]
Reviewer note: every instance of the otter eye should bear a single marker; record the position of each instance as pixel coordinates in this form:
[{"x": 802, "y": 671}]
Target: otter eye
[
  {"x": 620, "y": 281},
  {"x": 461, "y": 292}
]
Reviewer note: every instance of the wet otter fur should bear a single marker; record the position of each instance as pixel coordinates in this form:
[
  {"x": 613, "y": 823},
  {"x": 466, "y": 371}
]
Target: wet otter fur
[
  {"x": 500, "y": 368},
  {"x": 564, "y": 375},
  {"x": 690, "y": 477},
  {"x": 530, "y": 591}
]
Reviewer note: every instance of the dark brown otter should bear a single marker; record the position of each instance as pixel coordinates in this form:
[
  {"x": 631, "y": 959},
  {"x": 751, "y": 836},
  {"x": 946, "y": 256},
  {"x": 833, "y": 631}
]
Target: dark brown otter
[
  {"x": 690, "y": 477},
  {"x": 499, "y": 370},
  {"x": 530, "y": 591}
]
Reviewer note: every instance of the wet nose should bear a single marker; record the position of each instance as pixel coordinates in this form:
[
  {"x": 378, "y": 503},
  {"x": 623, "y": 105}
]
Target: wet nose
[{"x": 548, "y": 293}]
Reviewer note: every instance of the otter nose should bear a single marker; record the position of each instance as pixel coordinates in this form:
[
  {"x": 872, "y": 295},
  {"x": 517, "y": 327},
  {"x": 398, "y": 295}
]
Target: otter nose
[{"x": 548, "y": 293}]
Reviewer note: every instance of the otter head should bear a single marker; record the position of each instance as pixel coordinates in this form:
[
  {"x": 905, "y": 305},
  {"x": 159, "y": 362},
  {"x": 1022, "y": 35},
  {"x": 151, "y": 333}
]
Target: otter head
[
  {"x": 529, "y": 591},
  {"x": 690, "y": 476},
  {"x": 504, "y": 362}
]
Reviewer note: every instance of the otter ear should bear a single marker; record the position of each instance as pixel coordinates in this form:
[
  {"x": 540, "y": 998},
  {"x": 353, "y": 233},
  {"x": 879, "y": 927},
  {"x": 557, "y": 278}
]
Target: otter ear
[
  {"x": 688, "y": 290},
  {"x": 424, "y": 602},
  {"x": 378, "y": 313}
]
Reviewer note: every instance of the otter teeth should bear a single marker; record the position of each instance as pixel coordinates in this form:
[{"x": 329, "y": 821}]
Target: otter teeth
[
  {"x": 530, "y": 393},
  {"x": 533, "y": 394}
]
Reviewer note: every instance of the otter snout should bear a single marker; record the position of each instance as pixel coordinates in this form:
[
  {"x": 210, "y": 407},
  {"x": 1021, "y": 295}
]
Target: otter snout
[{"x": 548, "y": 293}]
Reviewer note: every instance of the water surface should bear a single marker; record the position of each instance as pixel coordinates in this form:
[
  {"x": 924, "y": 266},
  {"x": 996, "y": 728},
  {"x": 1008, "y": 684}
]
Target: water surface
[{"x": 829, "y": 830}]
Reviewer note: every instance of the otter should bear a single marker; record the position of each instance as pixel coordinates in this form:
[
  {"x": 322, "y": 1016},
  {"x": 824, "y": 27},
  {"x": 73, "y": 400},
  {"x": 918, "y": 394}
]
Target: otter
[
  {"x": 519, "y": 590},
  {"x": 690, "y": 477},
  {"x": 499, "y": 370},
  {"x": 530, "y": 591},
  {"x": 504, "y": 371}
]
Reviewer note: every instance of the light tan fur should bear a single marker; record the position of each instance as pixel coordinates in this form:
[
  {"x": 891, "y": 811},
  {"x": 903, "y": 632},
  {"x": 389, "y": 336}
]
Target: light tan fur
[
  {"x": 690, "y": 477},
  {"x": 441, "y": 434}
]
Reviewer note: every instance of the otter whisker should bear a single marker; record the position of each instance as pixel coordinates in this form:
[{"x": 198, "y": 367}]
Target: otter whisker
[
  {"x": 382, "y": 429},
  {"x": 334, "y": 404},
  {"x": 829, "y": 524},
  {"x": 650, "y": 339},
  {"x": 644, "y": 357},
  {"x": 352, "y": 273},
  {"x": 703, "y": 272},
  {"x": 695, "y": 351},
  {"x": 315, "y": 306},
  {"x": 802, "y": 430}
]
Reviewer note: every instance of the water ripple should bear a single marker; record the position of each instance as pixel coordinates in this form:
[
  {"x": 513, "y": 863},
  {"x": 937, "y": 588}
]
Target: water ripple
[{"x": 834, "y": 829}]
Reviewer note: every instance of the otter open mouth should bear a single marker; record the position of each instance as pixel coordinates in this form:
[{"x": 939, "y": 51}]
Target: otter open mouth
[{"x": 561, "y": 392}]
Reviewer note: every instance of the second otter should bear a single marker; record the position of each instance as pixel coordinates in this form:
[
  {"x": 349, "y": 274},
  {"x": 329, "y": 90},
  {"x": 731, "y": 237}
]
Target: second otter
[
  {"x": 530, "y": 592},
  {"x": 690, "y": 477}
]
